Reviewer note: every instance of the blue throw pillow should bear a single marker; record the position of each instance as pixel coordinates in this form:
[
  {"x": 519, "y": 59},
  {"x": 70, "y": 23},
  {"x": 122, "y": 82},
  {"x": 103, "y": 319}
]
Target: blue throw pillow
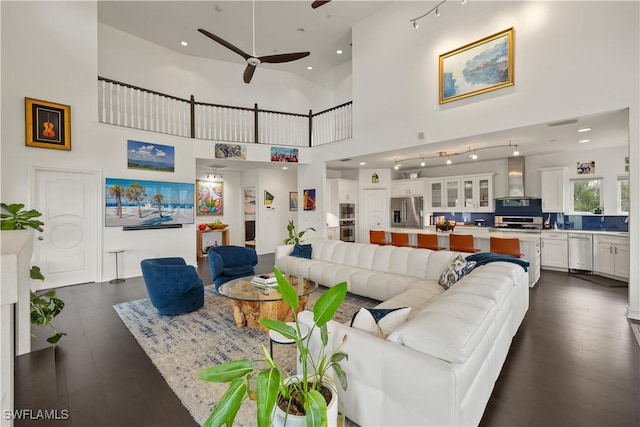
[{"x": 301, "y": 251}]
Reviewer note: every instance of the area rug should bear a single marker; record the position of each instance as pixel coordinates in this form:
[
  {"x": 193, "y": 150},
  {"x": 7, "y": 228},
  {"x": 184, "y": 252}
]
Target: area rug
[{"x": 182, "y": 346}]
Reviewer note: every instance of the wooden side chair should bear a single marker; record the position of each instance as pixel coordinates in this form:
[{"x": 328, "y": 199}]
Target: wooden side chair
[
  {"x": 400, "y": 239},
  {"x": 378, "y": 237},
  {"x": 429, "y": 241},
  {"x": 505, "y": 246},
  {"x": 461, "y": 243}
]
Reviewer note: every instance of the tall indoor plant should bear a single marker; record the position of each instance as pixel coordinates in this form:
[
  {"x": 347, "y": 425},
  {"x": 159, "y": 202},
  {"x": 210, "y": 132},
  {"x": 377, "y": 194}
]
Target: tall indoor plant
[
  {"x": 267, "y": 385},
  {"x": 44, "y": 305}
]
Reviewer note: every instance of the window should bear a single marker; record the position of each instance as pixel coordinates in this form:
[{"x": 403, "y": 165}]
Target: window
[
  {"x": 586, "y": 195},
  {"x": 623, "y": 195}
]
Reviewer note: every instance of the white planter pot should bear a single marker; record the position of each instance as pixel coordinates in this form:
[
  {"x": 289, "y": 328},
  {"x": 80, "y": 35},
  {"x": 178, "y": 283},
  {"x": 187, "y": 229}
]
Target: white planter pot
[{"x": 299, "y": 421}]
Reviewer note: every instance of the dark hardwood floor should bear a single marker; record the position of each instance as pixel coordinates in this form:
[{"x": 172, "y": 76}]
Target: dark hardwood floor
[{"x": 574, "y": 361}]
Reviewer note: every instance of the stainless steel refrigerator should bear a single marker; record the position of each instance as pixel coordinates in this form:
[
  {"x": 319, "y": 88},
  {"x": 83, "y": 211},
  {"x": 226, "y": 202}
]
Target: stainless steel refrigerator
[{"x": 406, "y": 212}]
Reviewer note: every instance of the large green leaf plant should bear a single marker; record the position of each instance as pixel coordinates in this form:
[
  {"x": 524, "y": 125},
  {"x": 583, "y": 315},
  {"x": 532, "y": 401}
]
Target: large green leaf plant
[
  {"x": 266, "y": 384},
  {"x": 293, "y": 236},
  {"x": 44, "y": 305}
]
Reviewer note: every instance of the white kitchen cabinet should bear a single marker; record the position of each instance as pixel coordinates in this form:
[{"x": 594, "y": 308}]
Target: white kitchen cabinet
[
  {"x": 333, "y": 233},
  {"x": 436, "y": 193},
  {"x": 347, "y": 191},
  {"x": 452, "y": 194},
  {"x": 554, "y": 254},
  {"x": 531, "y": 252},
  {"x": 331, "y": 193},
  {"x": 612, "y": 256},
  {"x": 477, "y": 193},
  {"x": 552, "y": 184},
  {"x": 407, "y": 187}
]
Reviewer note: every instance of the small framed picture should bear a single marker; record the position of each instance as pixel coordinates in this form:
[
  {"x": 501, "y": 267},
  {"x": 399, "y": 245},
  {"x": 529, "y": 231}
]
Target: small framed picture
[
  {"x": 48, "y": 125},
  {"x": 293, "y": 200}
]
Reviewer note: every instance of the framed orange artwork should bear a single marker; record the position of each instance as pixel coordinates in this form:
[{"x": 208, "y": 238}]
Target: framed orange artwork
[{"x": 48, "y": 125}]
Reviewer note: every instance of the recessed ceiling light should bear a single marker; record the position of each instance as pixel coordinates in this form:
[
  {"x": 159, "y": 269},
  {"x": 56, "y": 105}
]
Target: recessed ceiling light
[
  {"x": 584, "y": 130},
  {"x": 184, "y": 43},
  {"x": 339, "y": 51},
  {"x": 582, "y": 141},
  {"x": 285, "y": 167},
  {"x": 309, "y": 67},
  {"x": 218, "y": 8},
  {"x": 301, "y": 30},
  {"x": 363, "y": 163}
]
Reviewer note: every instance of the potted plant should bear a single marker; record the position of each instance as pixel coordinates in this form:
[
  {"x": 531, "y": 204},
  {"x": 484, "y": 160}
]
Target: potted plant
[
  {"x": 293, "y": 236},
  {"x": 263, "y": 381},
  {"x": 46, "y": 305}
]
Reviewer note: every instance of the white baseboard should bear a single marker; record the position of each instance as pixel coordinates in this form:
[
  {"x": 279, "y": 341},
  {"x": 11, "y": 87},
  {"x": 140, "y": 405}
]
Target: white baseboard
[{"x": 633, "y": 314}]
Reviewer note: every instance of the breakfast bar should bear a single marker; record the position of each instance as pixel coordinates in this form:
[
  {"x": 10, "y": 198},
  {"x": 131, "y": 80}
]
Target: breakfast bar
[{"x": 529, "y": 242}]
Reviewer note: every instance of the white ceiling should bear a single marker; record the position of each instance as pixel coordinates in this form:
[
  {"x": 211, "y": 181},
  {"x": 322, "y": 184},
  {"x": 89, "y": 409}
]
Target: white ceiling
[
  {"x": 327, "y": 29},
  {"x": 167, "y": 23}
]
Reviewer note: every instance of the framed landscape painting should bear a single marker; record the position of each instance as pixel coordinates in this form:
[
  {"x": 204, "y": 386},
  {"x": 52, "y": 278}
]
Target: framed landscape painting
[
  {"x": 476, "y": 68},
  {"x": 151, "y": 157}
]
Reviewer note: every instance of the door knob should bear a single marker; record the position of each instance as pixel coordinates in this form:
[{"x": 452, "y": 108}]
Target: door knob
[{"x": 40, "y": 238}]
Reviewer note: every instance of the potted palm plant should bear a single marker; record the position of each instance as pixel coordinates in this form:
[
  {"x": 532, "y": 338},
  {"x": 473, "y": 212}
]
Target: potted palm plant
[{"x": 263, "y": 381}]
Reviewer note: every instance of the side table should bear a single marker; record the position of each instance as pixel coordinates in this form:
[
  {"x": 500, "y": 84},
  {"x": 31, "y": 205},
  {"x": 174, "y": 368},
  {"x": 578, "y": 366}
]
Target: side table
[{"x": 116, "y": 252}]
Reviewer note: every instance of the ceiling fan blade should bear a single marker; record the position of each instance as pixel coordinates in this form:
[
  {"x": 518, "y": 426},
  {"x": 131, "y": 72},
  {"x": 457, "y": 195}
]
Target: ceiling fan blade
[
  {"x": 318, "y": 3},
  {"x": 283, "y": 57},
  {"x": 225, "y": 43},
  {"x": 248, "y": 73}
]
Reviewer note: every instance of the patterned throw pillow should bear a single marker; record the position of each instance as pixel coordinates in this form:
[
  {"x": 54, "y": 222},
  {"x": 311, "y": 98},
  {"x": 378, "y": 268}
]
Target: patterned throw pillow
[
  {"x": 455, "y": 271},
  {"x": 379, "y": 321}
]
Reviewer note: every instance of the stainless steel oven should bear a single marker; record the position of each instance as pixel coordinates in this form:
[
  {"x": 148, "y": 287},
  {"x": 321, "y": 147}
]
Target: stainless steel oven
[
  {"x": 347, "y": 231},
  {"x": 347, "y": 211}
]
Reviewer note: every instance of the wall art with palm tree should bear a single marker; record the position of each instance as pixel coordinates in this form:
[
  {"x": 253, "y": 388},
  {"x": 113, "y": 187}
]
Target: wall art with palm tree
[{"x": 138, "y": 203}]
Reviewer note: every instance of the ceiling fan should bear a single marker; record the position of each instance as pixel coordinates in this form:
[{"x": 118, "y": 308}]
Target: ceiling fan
[{"x": 252, "y": 60}]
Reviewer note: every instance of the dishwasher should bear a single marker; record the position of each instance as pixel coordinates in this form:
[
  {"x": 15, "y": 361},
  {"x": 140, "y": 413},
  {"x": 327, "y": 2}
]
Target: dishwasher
[{"x": 580, "y": 252}]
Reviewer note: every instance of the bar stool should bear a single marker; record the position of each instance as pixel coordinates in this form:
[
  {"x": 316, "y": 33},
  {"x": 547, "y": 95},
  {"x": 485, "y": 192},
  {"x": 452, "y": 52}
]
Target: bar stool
[
  {"x": 505, "y": 246},
  {"x": 461, "y": 243},
  {"x": 378, "y": 237},
  {"x": 429, "y": 241},
  {"x": 281, "y": 339},
  {"x": 400, "y": 239}
]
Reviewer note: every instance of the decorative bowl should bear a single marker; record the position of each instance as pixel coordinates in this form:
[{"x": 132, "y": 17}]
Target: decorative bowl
[
  {"x": 217, "y": 226},
  {"x": 445, "y": 226}
]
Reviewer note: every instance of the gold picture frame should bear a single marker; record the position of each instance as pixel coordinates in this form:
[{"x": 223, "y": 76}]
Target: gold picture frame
[
  {"x": 479, "y": 67},
  {"x": 48, "y": 125}
]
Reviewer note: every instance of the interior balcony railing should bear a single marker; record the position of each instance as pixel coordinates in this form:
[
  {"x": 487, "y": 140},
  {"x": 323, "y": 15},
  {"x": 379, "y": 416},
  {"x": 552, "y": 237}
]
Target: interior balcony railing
[{"x": 122, "y": 104}]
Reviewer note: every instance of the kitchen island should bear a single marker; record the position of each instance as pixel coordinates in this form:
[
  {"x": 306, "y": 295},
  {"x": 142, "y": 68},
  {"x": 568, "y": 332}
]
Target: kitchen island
[{"x": 529, "y": 242}]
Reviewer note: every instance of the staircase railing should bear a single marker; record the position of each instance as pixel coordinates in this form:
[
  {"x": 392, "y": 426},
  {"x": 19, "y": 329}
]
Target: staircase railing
[{"x": 122, "y": 104}]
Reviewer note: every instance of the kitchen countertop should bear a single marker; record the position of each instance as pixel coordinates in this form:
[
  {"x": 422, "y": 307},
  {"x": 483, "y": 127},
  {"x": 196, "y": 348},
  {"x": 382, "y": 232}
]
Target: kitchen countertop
[{"x": 522, "y": 236}]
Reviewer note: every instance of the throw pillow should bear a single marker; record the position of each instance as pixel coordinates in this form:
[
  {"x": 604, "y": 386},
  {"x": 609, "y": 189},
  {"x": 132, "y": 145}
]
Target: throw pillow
[
  {"x": 455, "y": 271},
  {"x": 301, "y": 251},
  {"x": 379, "y": 322}
]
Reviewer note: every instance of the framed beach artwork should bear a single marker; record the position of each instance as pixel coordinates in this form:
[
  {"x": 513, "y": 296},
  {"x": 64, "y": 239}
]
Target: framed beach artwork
[
  {"x": 48, "y": 125},
  {"x": 150, "y": 157},
  {"x": 476, "y": 68},
  {"x": 209, "y": 198},
  {"x": 139, "y": 204},
  {"x": 279, "y": 154}
]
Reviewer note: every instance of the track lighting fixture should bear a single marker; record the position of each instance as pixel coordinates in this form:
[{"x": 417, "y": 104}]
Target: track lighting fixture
[
  {"x": 471, "y": 152},
  {"x": 435, "y": 10}
]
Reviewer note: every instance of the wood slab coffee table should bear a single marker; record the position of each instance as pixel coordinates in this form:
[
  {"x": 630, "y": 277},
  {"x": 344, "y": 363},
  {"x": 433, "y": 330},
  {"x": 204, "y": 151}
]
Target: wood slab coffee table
[{"x": 250, "y": 303}]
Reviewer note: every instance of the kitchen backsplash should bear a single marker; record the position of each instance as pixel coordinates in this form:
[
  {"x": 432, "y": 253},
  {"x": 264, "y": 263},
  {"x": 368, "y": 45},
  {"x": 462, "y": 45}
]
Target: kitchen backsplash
[{"x": 565, "y": 222}]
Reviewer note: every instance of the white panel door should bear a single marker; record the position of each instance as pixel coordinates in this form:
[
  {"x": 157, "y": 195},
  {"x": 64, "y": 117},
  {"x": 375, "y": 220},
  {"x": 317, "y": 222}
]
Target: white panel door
[
  {"x": 376, "y": 211},
  {"x": 66, "y": 249}
]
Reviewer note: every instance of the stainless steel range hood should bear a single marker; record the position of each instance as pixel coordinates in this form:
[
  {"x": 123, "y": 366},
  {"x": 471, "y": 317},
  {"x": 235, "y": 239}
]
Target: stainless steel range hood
[
  {"x": 516, "y": 203},
  {"x": 515, "y": 167}
]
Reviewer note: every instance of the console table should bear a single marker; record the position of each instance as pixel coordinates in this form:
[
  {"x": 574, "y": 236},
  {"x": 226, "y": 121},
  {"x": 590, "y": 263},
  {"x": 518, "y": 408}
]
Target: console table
[
  {"x": 224, "y": 240},
  {"x": 17, "y": 247}
]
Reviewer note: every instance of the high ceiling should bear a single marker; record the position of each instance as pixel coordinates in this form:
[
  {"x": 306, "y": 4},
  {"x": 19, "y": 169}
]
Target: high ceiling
[
  {"x": 281, "y": 27},
  {"x": 327, "y": 29}
]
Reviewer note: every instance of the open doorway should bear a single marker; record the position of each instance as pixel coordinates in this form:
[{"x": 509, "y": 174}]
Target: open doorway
[{"x": 250, "y": 217}]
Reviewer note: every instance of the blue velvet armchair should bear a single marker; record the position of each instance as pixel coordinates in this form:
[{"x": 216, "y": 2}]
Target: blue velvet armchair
[
  {"x": 230, "y": 262},
  {"x": 173, "y": 286}
]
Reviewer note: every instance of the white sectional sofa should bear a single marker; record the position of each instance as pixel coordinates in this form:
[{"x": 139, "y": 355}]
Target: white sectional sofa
[{"x": 440, "y": 366}]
